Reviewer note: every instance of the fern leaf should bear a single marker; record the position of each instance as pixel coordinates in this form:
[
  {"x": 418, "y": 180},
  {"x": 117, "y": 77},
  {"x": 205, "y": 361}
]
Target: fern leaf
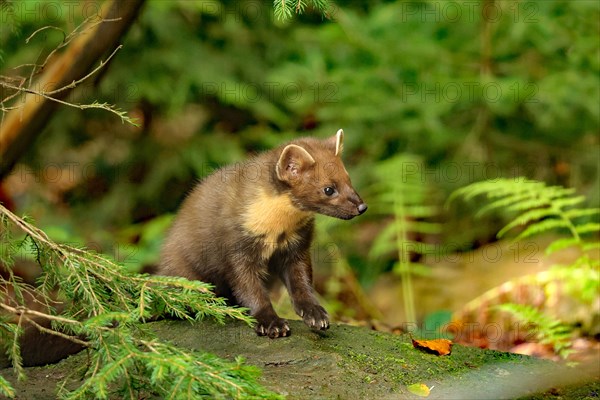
[
  {"x": 413, "y": 268},
  {"x": 560, "y": 244},
  {"x": 424, "y": 227},
  {"x": 542, "y": 226},
  {"x": 531, "y": 215},
  {"x": 407, "y": 200},
  {"x": 590, "y": 227},
  {"x": 384, "y": 243},
  {"x": 421, "y": 211},
  {"x": 581, "y": 212},
  {"x": 547, "y": 329},
  {"x": 567, "y": 202},
  {"x": 530, "y": 203},
  {"x": 556, "y": 192},
  {"x": 502, "y": 203},
  {"x": 591, "y": 246},
  {"x": 497, "y": 188}
]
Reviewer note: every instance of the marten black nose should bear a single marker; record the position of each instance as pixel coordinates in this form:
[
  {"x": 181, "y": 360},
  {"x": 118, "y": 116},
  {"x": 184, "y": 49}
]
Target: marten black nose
[{"x": 362, "y": 208}]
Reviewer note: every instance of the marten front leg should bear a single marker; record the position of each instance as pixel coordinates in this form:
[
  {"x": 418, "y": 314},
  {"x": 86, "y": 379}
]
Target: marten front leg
[
  {"x": 250, "y": 291},
  {"x": 297, "y": 277}
]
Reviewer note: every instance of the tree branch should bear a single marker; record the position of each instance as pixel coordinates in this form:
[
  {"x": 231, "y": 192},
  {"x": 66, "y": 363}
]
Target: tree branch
[{"x": 22, "y": 125}]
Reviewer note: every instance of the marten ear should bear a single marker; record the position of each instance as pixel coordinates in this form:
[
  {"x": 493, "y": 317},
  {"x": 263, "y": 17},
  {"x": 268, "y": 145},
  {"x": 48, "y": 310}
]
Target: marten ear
[
  {"x": 292, "y": 162},
  {"x": 338, "y": 141}
]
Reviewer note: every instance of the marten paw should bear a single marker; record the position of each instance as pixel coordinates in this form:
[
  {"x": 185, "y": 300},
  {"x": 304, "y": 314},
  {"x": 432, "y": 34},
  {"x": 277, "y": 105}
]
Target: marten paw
[
  {"x": 314, "y": 316},
  {"x": 274, "y": 328}
]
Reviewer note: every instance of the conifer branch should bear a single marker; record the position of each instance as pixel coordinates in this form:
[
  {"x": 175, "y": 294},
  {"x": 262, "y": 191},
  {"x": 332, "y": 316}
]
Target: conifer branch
[
  {"x": 23, "y": 311},
  {"x": 104, "y": 310},
  {"x": 286, "y": 9}
]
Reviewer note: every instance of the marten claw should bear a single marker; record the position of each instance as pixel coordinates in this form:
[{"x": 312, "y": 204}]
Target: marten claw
[
  {"x": 276, "y": 328},
  {"x": 315, "y": 317}
]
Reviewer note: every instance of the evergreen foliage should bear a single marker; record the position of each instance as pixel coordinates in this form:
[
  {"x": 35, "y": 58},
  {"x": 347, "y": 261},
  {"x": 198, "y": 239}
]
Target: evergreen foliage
[
  {"x": 104, "y": 309},
  {"x": 6, "y": 389},
  {"x": 542, "y": 209},
  {"x": 211, "y": 82},
  {"x": 286, "y": 9}
]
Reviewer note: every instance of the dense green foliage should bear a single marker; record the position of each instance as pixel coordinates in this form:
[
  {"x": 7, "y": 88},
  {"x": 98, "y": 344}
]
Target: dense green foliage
[{"x": 212, "y": 81}]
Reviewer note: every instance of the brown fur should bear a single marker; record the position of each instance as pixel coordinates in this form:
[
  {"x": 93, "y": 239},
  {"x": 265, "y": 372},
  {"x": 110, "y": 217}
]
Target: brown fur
[{"x": 248, "y": 224}]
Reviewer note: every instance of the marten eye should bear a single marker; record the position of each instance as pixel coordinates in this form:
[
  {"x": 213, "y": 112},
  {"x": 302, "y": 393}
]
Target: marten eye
[{"x": 329, "y": 191}]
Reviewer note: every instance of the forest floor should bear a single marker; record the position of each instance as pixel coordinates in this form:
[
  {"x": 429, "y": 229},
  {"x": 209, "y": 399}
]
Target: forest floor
[{"x": 349, "y": 362}]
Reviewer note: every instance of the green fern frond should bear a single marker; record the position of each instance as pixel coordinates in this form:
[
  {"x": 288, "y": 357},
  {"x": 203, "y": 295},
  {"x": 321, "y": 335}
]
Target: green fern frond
[
  {"x": 384, "y": 243},
  {"x": 525, "y": 218},
  {"x": 548, "y": 330},
  {"x": 578, "y": 213},
  {"x": 407, "y": 198},
  {"x": 539, "y": 207},
  {"x": 543, "y": 226},
  {"x": 518, "y": 200},
  {"x": 497, "y": 188},
  {"x": 564, "y": 202},
  {"x": 590, "y": 227},
  {"x": 560, "y": 244}
]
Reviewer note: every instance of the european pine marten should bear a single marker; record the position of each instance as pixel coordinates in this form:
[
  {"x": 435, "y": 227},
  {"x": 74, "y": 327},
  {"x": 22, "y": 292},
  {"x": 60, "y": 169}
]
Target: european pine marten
[{"x": 248, "y": 224}]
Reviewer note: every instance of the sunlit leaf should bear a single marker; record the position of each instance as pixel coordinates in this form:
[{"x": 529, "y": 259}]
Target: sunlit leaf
[
  {"x": 420, "y": 389},
  {"x": 440, "y": 347}
]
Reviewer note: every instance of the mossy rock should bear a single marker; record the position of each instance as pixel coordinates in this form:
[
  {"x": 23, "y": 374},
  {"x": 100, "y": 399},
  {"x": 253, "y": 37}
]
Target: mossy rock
[{"x": 348, "y": 362}]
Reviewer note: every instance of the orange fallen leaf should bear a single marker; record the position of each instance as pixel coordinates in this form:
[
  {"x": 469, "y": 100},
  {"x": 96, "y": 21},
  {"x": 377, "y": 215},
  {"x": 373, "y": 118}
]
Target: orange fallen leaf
[{"x": 440, "y": 347}]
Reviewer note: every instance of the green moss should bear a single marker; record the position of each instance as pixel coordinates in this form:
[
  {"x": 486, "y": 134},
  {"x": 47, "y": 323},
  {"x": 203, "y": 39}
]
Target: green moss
[{"x": 349, "y": 362}]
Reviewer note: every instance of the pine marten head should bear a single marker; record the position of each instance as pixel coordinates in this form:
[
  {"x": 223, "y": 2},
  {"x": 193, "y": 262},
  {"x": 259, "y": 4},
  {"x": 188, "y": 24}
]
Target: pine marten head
[{"x": 313, "y": 171}]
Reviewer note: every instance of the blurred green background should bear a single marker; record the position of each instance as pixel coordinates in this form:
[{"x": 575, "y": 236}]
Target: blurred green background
[{"x": 464, "y": 90}]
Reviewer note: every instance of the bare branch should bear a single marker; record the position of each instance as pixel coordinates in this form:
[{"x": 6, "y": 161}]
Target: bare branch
[
  {"x": 73, "y": 84},
  {"x": 24, "y": 313},
  {"x": 20, "y": 310}
]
